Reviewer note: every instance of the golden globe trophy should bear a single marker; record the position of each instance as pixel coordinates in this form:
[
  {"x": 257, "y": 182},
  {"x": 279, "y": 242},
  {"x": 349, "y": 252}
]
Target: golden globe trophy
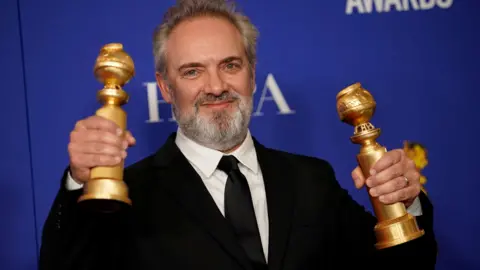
[
  {"x": 356, "y": 106},
  {"x": 106, "y": 191}
]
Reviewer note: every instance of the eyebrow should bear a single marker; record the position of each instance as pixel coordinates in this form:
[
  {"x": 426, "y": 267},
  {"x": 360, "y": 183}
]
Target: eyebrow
[
  {"x": 189, "y": 65},
  {"x": 231, "y": 59},
  {"x": 224, "y": 61}
]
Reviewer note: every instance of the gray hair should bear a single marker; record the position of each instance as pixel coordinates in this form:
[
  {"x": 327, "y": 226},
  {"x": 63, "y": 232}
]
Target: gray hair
[{"x": 186, "y": 9}]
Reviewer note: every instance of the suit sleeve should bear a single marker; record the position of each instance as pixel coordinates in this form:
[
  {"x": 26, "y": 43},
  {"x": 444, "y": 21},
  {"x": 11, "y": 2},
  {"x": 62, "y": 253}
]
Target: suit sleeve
[
  {"x": 73, "y": 238},
  {"x": 356, "y": 234}
]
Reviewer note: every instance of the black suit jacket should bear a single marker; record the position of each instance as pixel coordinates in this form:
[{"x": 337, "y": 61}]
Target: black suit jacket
[{"x": 175, "y": 224}]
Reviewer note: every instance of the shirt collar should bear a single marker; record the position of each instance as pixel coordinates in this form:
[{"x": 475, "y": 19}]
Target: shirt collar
[{"x": 207, "y": 159}]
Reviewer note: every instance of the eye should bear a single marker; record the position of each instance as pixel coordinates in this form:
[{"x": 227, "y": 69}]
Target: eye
[
  {"x": 232, "y": 66},
  {"x": 190, "y": 73}
]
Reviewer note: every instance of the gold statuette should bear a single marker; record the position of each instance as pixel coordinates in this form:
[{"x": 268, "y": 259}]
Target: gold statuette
[
  {"x": 106, "y": 191},
  {"x": 356, "y": 106}
]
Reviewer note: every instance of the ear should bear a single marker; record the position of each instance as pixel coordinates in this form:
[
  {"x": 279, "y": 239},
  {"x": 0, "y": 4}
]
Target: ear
[{"x": 164, "y": 89}]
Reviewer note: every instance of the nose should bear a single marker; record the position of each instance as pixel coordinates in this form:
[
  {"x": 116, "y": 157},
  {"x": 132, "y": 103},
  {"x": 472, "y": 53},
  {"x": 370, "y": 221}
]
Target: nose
[{"x": 215, "y": 84}]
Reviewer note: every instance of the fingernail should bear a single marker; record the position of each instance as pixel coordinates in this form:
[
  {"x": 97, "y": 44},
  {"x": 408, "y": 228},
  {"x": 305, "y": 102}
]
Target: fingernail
[
  {"x": 119, "y": 132},
  {"x": 372, "y": 172},
  {"x": 373, "y": 192},
  {"x": 124, "y": 154},
  {"x": 382, "y": 198}
]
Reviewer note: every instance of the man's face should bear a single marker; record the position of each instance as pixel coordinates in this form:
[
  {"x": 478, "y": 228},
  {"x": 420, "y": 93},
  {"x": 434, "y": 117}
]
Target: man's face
[{"x": 209, "y": 82}]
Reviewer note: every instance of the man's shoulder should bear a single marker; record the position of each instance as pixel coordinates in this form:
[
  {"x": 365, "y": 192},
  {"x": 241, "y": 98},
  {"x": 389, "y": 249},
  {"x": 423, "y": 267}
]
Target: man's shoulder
[
  {"x": 142, "y": 163},
  {"x": 310, "y": 173},
  {"x": 148, "y": 162},
  {"x": 140, "y": 167},
  {"x": 299, "y": 160}
]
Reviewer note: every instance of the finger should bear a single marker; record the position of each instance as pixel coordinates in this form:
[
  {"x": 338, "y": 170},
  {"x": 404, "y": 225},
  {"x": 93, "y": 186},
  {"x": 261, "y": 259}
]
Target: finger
[
  {"x": 400, "y": 195},
  {"x": 386, "y": 175},
  {"x": 98, "y": 122},
  {"x": 387, "y": 160},
  {"x": 358, "y": 177},
  {"x": 92, "y": 160},
  {"x": 130, "y": 139},
  {"x": 413, "y": 177},
  {"x": 389, "y": 187},
  {"x": 97, "y": 136},
  {"x": 97, "y": 148},
  {"x": 410, "y": 164}
]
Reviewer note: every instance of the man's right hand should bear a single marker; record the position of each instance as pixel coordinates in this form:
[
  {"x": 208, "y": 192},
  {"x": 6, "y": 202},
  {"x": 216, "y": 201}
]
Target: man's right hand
[{"x": 96, "y": 141}]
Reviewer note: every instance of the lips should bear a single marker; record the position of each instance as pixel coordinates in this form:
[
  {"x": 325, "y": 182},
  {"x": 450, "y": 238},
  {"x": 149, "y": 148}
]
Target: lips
[{"x": 219, "y": 104}]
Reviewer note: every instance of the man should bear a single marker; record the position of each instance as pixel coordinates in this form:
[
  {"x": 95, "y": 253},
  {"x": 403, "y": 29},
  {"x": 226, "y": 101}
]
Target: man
[{"x": 213, "y": 197}]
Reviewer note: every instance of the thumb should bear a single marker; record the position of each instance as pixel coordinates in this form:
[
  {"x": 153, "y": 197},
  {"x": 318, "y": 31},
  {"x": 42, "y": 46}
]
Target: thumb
[
  {"x": 358, "y": 178},
  {"x": 130, "y": 139}
]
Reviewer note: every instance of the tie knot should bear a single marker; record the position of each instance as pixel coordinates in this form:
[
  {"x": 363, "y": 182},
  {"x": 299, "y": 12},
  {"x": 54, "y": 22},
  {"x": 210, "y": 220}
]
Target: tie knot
[{"x": 228, "y": 163}]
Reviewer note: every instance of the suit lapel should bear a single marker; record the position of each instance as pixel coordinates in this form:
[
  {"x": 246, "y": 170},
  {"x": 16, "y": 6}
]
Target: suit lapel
[
  {"x": 279, "y": 189},
  {"x": 183, "y": 182}
]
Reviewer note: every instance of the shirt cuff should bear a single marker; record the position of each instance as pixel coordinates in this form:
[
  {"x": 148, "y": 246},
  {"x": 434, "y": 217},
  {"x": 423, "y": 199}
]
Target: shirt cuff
[
  {"x": 71, "y": 184},
  {"x": 416, "y": 208}
]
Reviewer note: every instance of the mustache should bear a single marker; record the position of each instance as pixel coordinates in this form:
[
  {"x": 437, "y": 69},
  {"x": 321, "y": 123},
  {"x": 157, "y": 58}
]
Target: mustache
[{"x": 209, "y": 98}]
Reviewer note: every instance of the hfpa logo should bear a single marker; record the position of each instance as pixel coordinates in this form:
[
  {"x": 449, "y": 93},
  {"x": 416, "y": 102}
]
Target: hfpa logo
[{"x": 271, "y": 92}]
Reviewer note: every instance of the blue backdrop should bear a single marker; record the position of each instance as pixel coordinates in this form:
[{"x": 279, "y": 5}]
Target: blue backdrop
[{"x": 419, "y": 58}]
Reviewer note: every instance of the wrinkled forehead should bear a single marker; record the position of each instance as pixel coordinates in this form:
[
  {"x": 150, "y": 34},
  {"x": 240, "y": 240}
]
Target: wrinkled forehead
[{"x": 206, "y": 40}]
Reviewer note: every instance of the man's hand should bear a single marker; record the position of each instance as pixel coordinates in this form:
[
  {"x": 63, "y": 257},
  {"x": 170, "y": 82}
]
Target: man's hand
[
  {"x": 393, "y": 178},
  {"x": 96, "y": 141}
]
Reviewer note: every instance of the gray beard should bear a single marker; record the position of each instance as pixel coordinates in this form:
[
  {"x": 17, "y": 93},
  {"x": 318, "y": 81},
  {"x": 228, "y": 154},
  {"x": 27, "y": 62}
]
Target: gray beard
[{"x": 221, "y": 131}]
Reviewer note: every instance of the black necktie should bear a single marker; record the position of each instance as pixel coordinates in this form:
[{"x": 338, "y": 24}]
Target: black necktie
[{"x": 239, "y": 211}]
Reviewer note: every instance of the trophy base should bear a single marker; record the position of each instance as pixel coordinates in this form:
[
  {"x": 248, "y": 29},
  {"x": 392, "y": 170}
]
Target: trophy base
[
  {"x": 397, "y": 231},
  {"x": 105, "y": 195}
]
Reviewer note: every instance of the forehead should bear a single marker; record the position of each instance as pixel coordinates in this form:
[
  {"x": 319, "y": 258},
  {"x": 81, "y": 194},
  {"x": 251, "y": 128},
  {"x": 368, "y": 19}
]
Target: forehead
[{"x": 203, "y": 39}]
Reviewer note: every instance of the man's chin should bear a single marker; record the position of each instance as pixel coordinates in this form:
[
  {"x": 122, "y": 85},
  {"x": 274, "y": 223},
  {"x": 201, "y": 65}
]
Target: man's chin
[{"x": 214, "y": 115}]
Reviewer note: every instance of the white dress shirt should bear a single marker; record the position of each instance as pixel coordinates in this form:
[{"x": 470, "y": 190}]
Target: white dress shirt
[{"x": 205, "y": 160}]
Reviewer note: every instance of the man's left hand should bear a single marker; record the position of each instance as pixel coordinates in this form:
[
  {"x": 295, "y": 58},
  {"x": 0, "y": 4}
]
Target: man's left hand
[{"x": 393, "y": 178}]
